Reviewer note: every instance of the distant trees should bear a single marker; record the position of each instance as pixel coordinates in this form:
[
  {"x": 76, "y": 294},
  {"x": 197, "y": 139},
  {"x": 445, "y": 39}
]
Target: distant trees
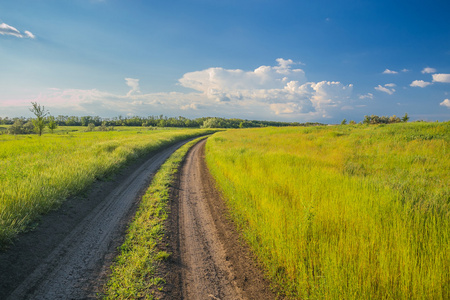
[
  {"x": 21, "y": 127},
  {"x": 374, "y": 119},
  {"x": 90, "y": 127},
  {"x": 44, "y": 119},
  {"x": 405, "y": 118},
  {"x": 51, "y": 123}
]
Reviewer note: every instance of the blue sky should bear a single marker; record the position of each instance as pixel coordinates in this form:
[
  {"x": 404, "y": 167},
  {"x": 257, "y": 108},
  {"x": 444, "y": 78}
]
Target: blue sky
[{"x": 255, "y": 59}]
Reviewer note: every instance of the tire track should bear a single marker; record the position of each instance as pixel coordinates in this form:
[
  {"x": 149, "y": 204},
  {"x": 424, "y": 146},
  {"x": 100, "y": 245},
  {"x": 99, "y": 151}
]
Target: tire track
[
  {"x": 206, "y": 273},
  {"x": 209, "y": 261}
]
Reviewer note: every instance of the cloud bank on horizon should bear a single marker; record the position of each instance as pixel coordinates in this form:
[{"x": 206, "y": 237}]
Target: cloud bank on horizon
[{"x": 269, "y": 90}]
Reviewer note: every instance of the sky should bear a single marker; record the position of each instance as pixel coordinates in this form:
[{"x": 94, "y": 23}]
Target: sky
[{"x": 282, "y": 60}]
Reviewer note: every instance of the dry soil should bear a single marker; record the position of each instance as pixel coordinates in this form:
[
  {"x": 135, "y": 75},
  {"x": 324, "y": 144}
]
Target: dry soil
[{"x": 210, "y": 260}]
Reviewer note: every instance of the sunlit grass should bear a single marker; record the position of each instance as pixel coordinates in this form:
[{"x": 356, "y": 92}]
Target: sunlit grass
[
  {"x": 343, "y": 212},
  {"x": 38, "y": 173}
]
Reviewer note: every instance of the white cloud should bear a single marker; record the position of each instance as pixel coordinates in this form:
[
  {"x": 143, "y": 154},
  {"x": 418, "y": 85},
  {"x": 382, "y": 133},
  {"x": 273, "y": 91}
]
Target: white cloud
[
  {"x": 29, "y": 34},
  {"x": 194, "y": 106},
  {"x": 134, "y": 85},
  {"x": 367, "y": 96},
  {"x": 428, "y": 70},
  {"x": 387, "y": 71},
  {"x": 446, "y": 102},
  {"x": 387, "y": 88},
  {"x": 405, "y": 70},
  {"x": 282, "y": 88},
  {"x": 420, "y": 83},
  {"x": 263, "y": 93},
  {"x": 212, "y": 80},
  {"x": 285, "y": 108},
  {"x": 441, "y": 78},
  {"x": 5, "y": 29}
]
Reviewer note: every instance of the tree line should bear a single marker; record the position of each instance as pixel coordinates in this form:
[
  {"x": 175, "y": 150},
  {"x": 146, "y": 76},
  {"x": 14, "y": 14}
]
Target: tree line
[{"x": 42, "y": 120}]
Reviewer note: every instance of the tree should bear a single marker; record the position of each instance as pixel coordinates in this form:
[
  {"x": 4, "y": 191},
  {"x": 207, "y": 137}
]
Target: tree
[
  {"x": 16, "y": 127},
  {"x": 344, "y": 122},
  {"x": 366, "y": 119},
  {"x": 40, "y": 113},
  {"x": 90, "y": 127},
  {"x": 51, "y": 123},
  {"x": 405, "y": 118}
]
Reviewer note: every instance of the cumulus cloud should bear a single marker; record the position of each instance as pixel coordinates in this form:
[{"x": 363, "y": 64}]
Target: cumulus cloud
[
  {"x": 265, "y": 92},
  {"x": 387, "y": 88},
  {"x": 283, "y": 88},
  {"x": 420, "y": 83},
  {"x": 213, "y": 80},
  {"x": 387, "y": 71},
  {"x": 6, "y": 29},
  {"x": 446, "y": 103},
  {"x": 428, "y": 70},
  {"x": 134, "y": 85},
  {"x": 441, "y": 78}
]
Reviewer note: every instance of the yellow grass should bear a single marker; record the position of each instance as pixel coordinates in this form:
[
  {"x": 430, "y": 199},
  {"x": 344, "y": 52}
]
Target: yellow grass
[
  {"x": 38, "y": 173},
  {"x": 344, "y": 212}
]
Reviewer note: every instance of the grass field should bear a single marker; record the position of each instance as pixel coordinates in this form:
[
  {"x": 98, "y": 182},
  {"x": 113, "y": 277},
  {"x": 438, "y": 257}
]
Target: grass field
[
  {"x": 38, "y": 173},
  {"x": 343, "y": 212}
]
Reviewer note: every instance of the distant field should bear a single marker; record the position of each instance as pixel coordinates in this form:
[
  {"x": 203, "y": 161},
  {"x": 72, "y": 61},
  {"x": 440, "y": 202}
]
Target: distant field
[
  {"x": 38, "y": 173},
  {"x": 343, "y": 212}
]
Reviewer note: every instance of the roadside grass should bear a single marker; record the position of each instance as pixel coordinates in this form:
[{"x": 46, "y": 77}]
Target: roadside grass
[
  {"x": 133, "y": 272},
  {"x": 342, "y": 212},
  {"x": 38, "y": 173}
]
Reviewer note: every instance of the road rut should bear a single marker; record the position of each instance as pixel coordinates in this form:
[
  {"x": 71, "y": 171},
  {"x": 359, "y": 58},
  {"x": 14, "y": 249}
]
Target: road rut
[{"x": 210, "y": 260}]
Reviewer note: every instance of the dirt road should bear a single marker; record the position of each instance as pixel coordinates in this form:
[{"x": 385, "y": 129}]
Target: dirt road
[
  {"x": 209, "y": 261},
  {"x": 67, "y": 255}
]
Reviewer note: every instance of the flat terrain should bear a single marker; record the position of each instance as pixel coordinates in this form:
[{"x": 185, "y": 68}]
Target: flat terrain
[
  {"x": 209, "y": 261},
  {"x": 67, "y": 256}
]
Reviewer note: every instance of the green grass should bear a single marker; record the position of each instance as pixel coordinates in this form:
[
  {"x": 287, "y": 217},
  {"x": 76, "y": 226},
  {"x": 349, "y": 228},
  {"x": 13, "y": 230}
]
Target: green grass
[
  {"x": 343, "y": 212},
  {"x": 38, "y": 173},
  {"x": 134, "y": 271}
]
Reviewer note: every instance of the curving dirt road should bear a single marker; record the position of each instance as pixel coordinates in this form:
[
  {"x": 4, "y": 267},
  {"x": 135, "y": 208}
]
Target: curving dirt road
[
  {"x": 209, "y": 260},
  {"x": 67, "y": 256}
]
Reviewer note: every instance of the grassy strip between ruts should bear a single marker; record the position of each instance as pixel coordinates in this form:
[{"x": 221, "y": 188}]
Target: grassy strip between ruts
[{"x": 134, "y": 270}]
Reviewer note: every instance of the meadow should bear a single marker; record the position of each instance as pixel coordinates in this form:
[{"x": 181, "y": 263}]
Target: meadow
[
  {"x": 342, "y": 212},
  {"x": 38, "y": 173}
]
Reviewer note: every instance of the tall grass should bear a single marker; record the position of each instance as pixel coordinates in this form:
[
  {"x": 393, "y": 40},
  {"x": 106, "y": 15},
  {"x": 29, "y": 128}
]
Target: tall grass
[
  {"x": 344, "y": 212},
  {"x": 38, "y": 173}
]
